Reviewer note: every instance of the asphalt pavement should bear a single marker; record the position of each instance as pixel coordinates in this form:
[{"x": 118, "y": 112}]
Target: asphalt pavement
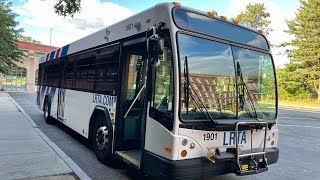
[{"x": 299, "y": 144}]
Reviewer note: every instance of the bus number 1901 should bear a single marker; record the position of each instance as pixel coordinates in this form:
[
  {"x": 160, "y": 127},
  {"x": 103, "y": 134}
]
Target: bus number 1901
[
  {"x": 210, "y": 136},
  {"x": 129, "y": 27}
]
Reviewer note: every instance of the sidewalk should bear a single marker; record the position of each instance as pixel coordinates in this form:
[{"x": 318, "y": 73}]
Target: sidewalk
[{"x": 23, "y": 153}]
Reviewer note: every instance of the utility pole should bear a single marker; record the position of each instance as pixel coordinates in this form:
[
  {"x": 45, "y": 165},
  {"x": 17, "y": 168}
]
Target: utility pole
[{"x": 50, "y": 34}]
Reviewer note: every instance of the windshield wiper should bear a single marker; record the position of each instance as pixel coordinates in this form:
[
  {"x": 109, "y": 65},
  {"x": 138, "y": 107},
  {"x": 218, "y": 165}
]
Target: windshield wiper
[
  {"x": 186, "y": 83},
  {"x": 187, "y": 92},
  {"x": 242, "y": 96}
]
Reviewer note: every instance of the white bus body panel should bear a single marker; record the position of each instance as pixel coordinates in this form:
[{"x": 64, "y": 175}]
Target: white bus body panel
[
  {"x": 77, "y": 111},
  {"x": 79, "y": 107},
  {"x": 154, "y": 130},
  {"x": 223, "y": 140},
  {"x": 157, "y": 145}
]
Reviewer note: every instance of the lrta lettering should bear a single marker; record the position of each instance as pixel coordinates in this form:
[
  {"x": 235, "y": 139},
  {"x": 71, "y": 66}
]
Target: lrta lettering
[{"x": 232, "y": 138}]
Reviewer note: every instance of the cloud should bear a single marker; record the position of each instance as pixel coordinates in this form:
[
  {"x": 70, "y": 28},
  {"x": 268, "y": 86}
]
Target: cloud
[
  {"x": 278, "y": 14},
  {"x": 84, "y": 24},
  {"x": 37, "y": 18}
]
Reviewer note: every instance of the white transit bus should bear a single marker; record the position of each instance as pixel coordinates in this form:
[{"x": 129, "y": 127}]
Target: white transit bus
[{"x": 171, "y": 91}]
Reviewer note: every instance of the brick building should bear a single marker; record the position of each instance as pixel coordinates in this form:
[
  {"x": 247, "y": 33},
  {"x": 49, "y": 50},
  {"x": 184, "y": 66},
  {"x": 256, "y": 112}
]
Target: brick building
[
  {"x": 212, "y": 96},
  {"x": 218, "y": 91},
  {"x": 24, "y": 76}
]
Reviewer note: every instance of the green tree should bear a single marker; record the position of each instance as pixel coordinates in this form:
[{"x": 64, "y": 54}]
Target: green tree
[
  {"x": 305, "y": 54},
  {"x": 28, "y": 39},
  {"x": 255, "y": 16},
  {"x": 292, "y": 85},
  {"x": 9, "y": 52},
  {"x": 67, "y": 7}
]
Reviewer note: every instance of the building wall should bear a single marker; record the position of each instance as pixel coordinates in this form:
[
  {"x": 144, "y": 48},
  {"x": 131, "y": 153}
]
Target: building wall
[
  {"x": 33, "y": 51},
  {"x": 30, "y": 63}
]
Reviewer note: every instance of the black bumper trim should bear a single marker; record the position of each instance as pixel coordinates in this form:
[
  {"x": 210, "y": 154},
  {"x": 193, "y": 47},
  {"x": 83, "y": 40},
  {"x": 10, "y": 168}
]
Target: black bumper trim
[{"x": 155, "y": 165}]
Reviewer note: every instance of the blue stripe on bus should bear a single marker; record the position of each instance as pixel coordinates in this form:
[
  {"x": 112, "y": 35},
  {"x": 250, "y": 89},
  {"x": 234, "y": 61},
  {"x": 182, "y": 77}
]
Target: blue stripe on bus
[
  {"x": 43, "y": 88},
  {"x": 64, "y": 51},
  {"x": 52, "y": 55},
  {"x": 52, "y": 91}
]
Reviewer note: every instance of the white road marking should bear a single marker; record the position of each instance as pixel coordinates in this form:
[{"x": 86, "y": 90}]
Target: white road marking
[
  {"x": 300, "y": 110},
  {"x": 284, "y": 117},
  {"x": 299, "y": 126}
]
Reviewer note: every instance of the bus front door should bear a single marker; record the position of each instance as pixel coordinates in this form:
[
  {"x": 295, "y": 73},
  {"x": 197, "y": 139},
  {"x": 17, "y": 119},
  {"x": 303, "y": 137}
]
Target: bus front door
[{"x": 133, "y": 103}]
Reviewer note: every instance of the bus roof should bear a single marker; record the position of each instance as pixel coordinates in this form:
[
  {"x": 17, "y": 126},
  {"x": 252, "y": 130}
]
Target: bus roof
[{"x": 130, "y": 26}]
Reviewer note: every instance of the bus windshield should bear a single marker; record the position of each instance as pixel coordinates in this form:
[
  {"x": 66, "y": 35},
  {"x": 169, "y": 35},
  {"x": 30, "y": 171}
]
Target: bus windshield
[{"x": 224, "y": 82}]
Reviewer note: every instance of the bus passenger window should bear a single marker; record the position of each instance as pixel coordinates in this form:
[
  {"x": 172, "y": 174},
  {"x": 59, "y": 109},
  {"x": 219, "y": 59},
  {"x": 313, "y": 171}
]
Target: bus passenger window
[
  {"x": 52, "y": 73},
  {"x": 69, "y": 76},
  {"x": 41, "y": 74},
  {"x": 83, "y": 66},
  {"x": 107, "y": 66}
]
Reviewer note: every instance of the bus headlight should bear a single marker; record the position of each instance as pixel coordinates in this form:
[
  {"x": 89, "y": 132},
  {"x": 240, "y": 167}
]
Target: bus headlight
[
  {"x": 184, "y": 142},
  {"x": 192, "y": 145}
]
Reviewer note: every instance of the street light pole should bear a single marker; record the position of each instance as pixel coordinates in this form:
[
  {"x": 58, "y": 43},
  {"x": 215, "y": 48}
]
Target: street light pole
[{"x": 50, "y": 34}]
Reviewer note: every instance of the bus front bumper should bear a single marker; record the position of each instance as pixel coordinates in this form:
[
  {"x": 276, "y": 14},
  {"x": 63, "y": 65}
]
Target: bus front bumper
[{"x": 193, "y": 168}]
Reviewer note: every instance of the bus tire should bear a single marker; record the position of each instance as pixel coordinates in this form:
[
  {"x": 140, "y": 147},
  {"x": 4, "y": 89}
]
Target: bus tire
[
  {"x": 102, "y": 139},
  {"x": 46, "y": 112}
]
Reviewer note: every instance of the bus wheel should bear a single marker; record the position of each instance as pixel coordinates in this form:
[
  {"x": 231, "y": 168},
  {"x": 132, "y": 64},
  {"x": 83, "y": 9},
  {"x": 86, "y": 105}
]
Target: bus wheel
[
  {"x": 46, "y": 113},
  {"x": 102, "y": 141}
]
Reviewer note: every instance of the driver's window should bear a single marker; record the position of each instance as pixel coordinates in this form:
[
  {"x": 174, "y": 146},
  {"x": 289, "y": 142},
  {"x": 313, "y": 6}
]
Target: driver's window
[
  {"x": 163, "y": 88},
  {"x": 161, "y": 108}
]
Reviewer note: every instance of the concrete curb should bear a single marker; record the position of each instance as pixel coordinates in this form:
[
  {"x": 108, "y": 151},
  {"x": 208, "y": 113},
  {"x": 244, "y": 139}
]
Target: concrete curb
[{"x": 74, "y": 167}]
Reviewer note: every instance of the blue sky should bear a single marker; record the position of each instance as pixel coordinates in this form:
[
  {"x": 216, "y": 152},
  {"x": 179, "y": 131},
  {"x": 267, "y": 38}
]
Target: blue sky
[{"x": 37, "y": 17}]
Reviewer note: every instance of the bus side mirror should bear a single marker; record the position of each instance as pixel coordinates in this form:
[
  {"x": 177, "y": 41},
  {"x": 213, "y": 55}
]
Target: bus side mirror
[{"x": 155, "y": 46}]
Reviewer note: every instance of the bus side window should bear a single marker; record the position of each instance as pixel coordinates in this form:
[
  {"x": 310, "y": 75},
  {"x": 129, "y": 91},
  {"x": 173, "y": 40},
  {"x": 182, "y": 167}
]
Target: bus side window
[
  {"x": 84, "y": 68},
  {"x": 69, "y": 75},
  {"x": 107, "y": 67},
  {"x": 40, "y": 74},
  {"x": 52, "y": 70}
]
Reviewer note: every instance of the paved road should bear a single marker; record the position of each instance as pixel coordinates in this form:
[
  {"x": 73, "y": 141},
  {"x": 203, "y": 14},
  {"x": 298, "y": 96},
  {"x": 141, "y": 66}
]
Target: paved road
[{"x": 299, "y": 143}]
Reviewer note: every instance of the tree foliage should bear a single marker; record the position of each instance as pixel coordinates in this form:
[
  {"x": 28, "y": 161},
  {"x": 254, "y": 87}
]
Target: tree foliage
[
  {"x": 255, "y": 16},
  {"x": 292, "y": 86},
  {"x": 28, "y": 39},
  {"x": 67, "y": 7},
  {"x": 9, "y": 52},
  {"x": 305, "y": 55}
]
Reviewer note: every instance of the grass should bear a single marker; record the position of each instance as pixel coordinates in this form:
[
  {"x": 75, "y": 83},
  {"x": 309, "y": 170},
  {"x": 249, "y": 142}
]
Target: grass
[{"x": 310, "y": 103}]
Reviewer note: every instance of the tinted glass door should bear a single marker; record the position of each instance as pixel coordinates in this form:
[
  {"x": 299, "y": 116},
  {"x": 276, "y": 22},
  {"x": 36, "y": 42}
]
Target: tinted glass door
[{"x": 134, "y": 94}]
